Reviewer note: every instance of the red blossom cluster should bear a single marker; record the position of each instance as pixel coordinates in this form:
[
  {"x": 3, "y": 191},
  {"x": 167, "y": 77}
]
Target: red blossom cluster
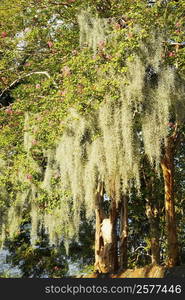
[
  {"x": 171, "y": 54},
  {"x": 56, "y": 268},
  {"x": 101, "y": 45},
  {"x": 3, "y": 34},
  {"x": 50, "y": 44},
  {"x": 29, "y": 176},
  {"x": 9, "y": 111}
]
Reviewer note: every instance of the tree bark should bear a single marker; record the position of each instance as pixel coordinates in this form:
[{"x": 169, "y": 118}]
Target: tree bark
[
  {"x": 167, "y": 165},
  {"x": 106, "y": 260},
  {"x": 123, "y": 255},
  {"x": 152, "y": 212},
  {"x": 153, "y": 218}
]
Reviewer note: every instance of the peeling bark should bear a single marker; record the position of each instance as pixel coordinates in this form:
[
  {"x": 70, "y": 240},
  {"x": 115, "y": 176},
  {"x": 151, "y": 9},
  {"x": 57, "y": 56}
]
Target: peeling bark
[
  {"x": 123, "y": 260},
  {"x": 167, "y": 165},
  {"x": 106, "y": 260}
]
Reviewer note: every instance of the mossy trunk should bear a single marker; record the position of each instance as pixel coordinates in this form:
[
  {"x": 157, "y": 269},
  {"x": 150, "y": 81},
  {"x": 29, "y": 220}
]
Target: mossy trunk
[
  {"x": 167, "y": 164},
  {"x": 106, "y": 259}
]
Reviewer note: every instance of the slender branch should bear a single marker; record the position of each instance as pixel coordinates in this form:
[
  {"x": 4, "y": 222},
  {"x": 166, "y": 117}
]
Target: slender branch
[
  {"x": 140, "y": 247},
  {"x": 174, "y": 139},
  {"x": 23, "y": 77}
]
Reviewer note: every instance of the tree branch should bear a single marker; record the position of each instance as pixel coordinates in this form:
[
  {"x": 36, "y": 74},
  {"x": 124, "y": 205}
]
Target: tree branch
[{"x": 23, "y": 77}]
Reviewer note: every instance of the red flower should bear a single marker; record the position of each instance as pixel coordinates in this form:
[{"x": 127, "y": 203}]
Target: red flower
[
  {"x": 28, "y": 64},
  {"x": 9, "y": 111},
  {"x": 50, "y": 44},
  {"x": 108, "y": 56},
  {"x": 117, "y": 26},
  {"x": 63, "y": 93},
  {"x": 3, "y": 34},
  {"x": 29, "y": 176},
  {"x": 101, "y": 45},
  {"x": 170, "y": 54},
  {"x": 177, "y": 25}
]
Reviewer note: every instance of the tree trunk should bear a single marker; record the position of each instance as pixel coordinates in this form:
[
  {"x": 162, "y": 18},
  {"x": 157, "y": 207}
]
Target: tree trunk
[
  {"x": 167, "y": 164},
  {"x": 152, "y": 212},
  {"x": 106, "y": 260},
  {"x": 153, "y": 218},
  {"x": 123, "y": 257}
]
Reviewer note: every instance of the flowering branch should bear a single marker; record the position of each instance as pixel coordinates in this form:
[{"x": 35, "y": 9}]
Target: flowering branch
[{"x": 23, "y": 77}]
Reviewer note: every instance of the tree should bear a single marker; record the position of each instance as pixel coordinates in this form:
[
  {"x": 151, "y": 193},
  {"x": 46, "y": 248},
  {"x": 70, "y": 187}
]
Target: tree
[
  {"x": 152, "y": 197},
  {"x": 78, "y": 117}
]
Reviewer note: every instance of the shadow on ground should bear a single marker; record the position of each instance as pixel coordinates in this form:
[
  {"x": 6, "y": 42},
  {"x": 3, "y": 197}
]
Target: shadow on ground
[{"x": 145, "y": 272}]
